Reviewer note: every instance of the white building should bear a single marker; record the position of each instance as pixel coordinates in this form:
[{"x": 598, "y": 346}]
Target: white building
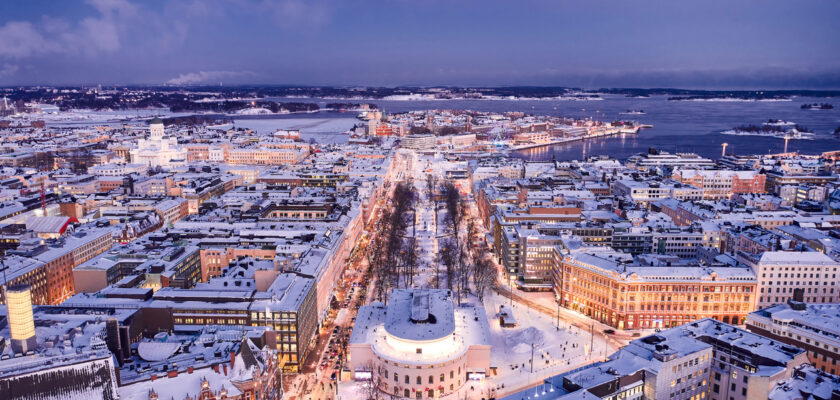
[
  {"x": 113, "y": 169},
  {"x": 812, "y": 327},
  {"x": 781, "y": 272},
  {"x": 419, "y": 142},
  {"x": 158, "y": 150},
  {"x": 650, "y": 191},
  {"x": 420, "y": 345}
]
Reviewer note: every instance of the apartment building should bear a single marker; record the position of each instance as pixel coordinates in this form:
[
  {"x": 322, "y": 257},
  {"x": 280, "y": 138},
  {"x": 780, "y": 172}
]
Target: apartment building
[
  {"x": 812, "y": 327},
  {"x": 48, "y": 268},
  {"x": 704, "y": 359},
  {"x": 651, "y": 291},
  {"x": 780, "y": 273},
  {"x": 721, "y": 184}
]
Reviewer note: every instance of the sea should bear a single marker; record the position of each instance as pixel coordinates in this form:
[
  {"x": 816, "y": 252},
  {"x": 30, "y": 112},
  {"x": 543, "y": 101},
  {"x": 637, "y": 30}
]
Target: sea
[{"x": 691, "y": 126}]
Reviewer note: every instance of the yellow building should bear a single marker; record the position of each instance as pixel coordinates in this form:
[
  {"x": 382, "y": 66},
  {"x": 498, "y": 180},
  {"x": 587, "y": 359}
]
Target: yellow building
[{"x": 21, "y": 322}]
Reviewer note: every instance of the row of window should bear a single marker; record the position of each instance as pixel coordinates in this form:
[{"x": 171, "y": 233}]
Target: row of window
[{"x": 419, "y": 379}]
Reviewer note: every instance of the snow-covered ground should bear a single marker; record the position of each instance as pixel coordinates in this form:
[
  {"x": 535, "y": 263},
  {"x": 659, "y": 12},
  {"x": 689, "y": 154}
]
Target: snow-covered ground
[
  {"x": 555, "y": 349},
  {"x": 323, "y": 130},
  {"x": 77, "y": 117}
]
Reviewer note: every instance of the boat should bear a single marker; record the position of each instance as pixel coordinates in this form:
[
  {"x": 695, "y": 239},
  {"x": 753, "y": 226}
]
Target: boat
[{"x": 633, "y": 112}]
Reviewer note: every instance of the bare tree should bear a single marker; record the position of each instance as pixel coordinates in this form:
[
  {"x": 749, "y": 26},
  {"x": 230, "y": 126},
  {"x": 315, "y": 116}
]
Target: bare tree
[
  {"x": 371, "y": 388},
  {"x": 431, "y": 186},
  {"x": 390, "y": 246},
  {"x": 456, "y": 212},
  {"x": 483, "y": 273},
  {"x": 377, "y": 259},
  {"x": 466, "y": 247},
  {"x": 410, "y": 261},
  {"x": 455, "y": 215},
  {"x": 448, "y": 256}
]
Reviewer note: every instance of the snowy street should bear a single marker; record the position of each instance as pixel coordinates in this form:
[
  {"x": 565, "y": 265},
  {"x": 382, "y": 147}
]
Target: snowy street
[{"x": 554, "y": 350}]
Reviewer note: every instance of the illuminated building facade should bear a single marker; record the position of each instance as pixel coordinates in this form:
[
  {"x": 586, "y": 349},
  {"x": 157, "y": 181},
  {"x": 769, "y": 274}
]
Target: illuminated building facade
[
  {"x": 420, "y": 345},
  {"x": 658, "y": 292},
  {"x": 21, "y": 323}
]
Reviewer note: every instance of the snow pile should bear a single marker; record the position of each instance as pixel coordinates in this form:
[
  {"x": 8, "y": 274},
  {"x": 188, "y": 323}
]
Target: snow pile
[
  {"x": 157, "y": 351},
  {"x": 521, "y": 348},
  {"x": 520, "y": 342},
  {"x": 254, "y": 111}
]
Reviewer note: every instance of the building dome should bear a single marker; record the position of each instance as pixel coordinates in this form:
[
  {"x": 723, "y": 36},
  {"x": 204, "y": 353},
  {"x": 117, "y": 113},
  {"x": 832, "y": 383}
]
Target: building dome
[
  {"x": 422, "y": 344},
  {"x": 156, "y": 121}
]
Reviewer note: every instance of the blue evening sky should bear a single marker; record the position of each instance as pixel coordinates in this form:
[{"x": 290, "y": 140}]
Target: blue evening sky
[{"x": 702, "y": 44}]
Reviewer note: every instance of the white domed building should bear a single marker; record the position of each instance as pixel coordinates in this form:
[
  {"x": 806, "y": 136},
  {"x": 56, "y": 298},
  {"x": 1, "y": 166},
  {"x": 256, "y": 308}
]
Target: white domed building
[
  {"x": 420, "y": 346},
  {"x": 158, "y": 150}
]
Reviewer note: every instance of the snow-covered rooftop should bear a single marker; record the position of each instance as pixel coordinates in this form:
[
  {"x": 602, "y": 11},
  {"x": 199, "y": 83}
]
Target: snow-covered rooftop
[
  {"x": 393, "y": 335},
  {"x": 420, "y": 314}
]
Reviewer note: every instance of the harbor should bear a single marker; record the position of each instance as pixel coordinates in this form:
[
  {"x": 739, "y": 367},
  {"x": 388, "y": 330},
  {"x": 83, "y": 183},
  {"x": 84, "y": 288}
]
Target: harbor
[{"x": 564, "y": 140}]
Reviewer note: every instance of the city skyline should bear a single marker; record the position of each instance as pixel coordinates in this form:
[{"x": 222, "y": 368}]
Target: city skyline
[
  {"x": 404, "y": 200},
  {"x": 771, "y": 45}
]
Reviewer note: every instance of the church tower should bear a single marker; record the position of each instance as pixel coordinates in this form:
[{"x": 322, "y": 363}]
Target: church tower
[{"x": 156, "y": 128}]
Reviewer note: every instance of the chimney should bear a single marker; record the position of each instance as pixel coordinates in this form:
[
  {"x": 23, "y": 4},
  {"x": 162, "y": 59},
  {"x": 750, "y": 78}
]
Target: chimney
[
  {"x": 232, "y": 358},
  {"x": 190, "y": 369},
  {"x": 216, "y": 368},
  {"x": 225, "y": 368},
  {"x": 154, "y": 376}
]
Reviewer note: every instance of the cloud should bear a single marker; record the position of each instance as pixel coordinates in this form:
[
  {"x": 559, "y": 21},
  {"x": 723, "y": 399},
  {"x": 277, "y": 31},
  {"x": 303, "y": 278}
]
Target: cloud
[
  {"x": 200, "y": 77},
  {"x": 89, "y": 36},
  {"x": 20, "y": 39},
  {"x": 298, "y": 13},
  {"x": 8, "y": 70}
]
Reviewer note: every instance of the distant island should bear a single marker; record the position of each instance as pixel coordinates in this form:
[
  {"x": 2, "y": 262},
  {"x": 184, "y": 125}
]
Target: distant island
[
  {"x": 733, "y": 97},
  {"x": 718, "y": 95},
  {"x": 817, "y": 106},
  {"x": 295, "y": 99},
  {"x": 773, "y": 128}
]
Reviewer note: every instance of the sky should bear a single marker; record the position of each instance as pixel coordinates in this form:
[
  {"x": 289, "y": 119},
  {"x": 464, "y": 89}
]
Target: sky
[{"x": 732, "y": 44}]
